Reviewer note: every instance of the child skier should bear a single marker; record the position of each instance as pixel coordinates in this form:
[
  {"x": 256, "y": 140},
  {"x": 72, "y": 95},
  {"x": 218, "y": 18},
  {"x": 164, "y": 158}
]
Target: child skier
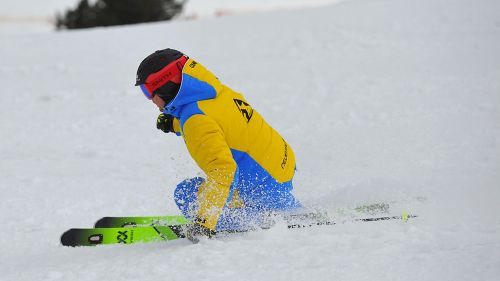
[{"x": 249, "y": 167}]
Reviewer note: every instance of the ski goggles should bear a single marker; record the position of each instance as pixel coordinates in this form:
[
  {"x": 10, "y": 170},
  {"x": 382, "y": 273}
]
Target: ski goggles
[{"x": 172, "y": 72}]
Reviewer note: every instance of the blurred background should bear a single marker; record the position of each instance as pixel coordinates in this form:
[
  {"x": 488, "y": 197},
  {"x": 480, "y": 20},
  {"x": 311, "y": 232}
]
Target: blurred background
[
  {"x": 32, "y": 15},
  {"x": 392, "y": 101}
]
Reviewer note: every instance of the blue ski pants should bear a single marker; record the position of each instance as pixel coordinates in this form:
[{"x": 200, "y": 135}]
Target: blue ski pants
[{"x": 258, "y": 200}]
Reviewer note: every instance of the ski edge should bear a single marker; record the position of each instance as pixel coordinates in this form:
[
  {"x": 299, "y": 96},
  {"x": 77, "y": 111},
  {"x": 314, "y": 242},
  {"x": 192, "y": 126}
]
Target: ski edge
[
  {"x": 405, "y": 217},
  {"x": 133, "y": 221}
]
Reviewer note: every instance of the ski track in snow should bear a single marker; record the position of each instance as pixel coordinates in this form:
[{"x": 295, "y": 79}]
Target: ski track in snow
[{"x": 393, "y": 101}]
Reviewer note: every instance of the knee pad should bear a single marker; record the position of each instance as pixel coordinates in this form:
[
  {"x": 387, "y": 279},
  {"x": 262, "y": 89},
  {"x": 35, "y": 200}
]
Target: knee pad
[{"x": 185, "y": 196}]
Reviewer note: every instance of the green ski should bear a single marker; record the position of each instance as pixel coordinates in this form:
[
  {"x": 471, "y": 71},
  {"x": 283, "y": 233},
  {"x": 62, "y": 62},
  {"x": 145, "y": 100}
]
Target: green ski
[
  {"x": 106, "y": 222},
  {"x": 146, "y": 229},
  {"x": 370, "y": 209},
  {"x": 156, "y": 233},
  {"x": 120, "y": 235}
]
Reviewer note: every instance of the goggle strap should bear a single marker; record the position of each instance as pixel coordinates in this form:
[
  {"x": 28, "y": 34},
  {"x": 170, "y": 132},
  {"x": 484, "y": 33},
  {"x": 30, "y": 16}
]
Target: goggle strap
[{"x": 171, "y": 72}]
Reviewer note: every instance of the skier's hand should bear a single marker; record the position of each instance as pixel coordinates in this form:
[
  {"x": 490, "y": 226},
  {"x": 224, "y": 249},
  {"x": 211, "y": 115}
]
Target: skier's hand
[
  {"x": 194, "y": 231},
  {"x": 165, "y": 122}
]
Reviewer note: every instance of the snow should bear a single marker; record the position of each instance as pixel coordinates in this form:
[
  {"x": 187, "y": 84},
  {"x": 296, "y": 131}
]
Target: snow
[
  {"x": 202, "y": 8},
  {"x": 39, "y": 16},
  {"x": 382, "y": 100},
  {"x": 34, "y": 7}
]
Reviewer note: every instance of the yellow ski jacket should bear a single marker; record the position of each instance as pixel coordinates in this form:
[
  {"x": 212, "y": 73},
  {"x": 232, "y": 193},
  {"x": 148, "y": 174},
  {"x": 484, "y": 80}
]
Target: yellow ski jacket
[{"x": 228, "y": 139}]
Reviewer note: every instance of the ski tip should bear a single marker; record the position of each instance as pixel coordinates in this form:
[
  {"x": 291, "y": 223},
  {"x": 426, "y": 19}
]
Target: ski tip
[
  {"x": 110, "y": 222},
  {"x": 69, "y": 238},
  {"x": 404, "y": 216},
  {"x": 103, "y": 222}
]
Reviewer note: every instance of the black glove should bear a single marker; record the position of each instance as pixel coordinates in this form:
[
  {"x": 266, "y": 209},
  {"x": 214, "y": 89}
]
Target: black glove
[
  {"x": 194, "y": 231},
  {"x": 165, "y": 122}
]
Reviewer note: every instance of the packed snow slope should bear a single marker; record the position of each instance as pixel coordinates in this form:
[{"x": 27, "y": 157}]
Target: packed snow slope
[{"x": 382, "y": 100}]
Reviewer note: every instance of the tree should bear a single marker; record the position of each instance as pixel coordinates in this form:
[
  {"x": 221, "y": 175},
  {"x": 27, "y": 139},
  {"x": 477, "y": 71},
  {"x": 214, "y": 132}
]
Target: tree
[{"x": 118, "y": 12}]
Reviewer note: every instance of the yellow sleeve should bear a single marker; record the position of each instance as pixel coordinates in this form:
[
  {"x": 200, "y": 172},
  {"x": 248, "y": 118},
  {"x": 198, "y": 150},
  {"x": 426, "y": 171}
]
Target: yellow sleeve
[{"x": 207, "y": 145}]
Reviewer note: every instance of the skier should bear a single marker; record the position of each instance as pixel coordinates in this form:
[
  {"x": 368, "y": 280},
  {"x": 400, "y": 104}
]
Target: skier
[{"x": 249, "y": 167}]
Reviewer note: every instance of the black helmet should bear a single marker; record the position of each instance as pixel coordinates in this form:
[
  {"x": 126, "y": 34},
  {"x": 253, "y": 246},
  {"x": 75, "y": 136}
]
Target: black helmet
[{"x": 154, "y": 63}]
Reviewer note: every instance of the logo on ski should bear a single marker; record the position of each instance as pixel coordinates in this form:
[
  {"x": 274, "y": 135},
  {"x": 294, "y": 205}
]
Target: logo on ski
[
  {"x": 245, "y": 109},
  {"x": 122, "y": 237}
]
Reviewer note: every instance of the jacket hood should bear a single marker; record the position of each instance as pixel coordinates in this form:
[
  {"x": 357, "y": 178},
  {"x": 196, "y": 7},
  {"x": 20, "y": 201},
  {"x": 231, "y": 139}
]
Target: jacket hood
[{"x": 197, "y": 84}]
